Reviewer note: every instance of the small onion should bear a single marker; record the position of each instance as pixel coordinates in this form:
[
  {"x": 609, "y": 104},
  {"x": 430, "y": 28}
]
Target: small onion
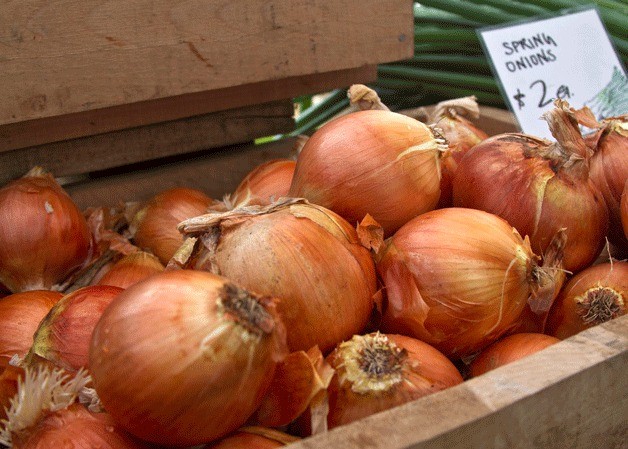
[
  {"x": 593, "y": 296},
  {"x": 371, "y": 162},
  {"x": 460, "y": 278},
  {"x": 154, "y": 228},
  {"x": 376, "y": 372},
  {"x": 509, "y": 349},
  {"x": 254, "y": 437},
  {"x": 63, "y": 336},
  {"x": 304, "y": 254},
  {"x": 131, "y": 269},
  {"x": 539, "y": 187},
  {"x": 20, "y": 315},
  {"x": 185, "y": 357},
  {"x": 43, "y": 235},
  {"x": 264, "y": 184}
]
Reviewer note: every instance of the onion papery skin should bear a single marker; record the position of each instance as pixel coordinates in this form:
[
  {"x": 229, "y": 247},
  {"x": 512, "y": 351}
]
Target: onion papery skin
[
  {"x": 609, "y": 171},
  {"x": 595, "y": 295},
  {"x": 174, "y": 363},
  {"x": 510, "y": 349},
  {"x": 265, "y": 184},
  {"x": 155, "y": 225},
  {"x": 63, "y": 336},
  {"x": 377, "y": 372},
  {"x": 131, "y": 269},
  {"x": 20, "y": 315},
  {"x": 371, "y": 162},
  {"x": 77, "y": 428},
  {"x": 304, "y": 254},
  {"x": 457, "y": 279},
  {"x": 43, "y": 235}
]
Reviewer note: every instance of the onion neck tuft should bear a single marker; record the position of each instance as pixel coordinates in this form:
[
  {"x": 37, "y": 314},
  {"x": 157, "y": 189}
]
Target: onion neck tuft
[
  {"x": 247, "y": 309},
  {"x": 599, "y": 305}
]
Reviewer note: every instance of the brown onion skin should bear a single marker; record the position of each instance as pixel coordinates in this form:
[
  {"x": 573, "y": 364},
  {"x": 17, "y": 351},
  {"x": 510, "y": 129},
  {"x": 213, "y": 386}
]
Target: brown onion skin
[
  {"x": 156, "y": 224},
  {"x": 354, "y": 166},
  {"x": 265, "y": 183},
  {"x": 131, "y": 269},
  {"x": 77, "y": 428},
  {"x": 425, "y": 371},
  {"x": 63, "y": 336},
  {"x": 444, "y": 272},
  {"x": 567, "y": 202},
  {"x": 172, "y": 366},
  {"x": 510, "y": 349},
  {"x": 20, "y": 315},
  {"x": 43, "y": 235},
  {"x": 564, "y": 319}
]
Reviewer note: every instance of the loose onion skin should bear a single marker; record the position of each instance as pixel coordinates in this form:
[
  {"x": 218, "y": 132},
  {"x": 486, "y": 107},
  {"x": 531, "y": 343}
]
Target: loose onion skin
[
  {"x": 20, "y": 315},
  {"x": 264, "y": 184},
  {"x": 371, "y": 162},
  {"x": 593, "y": 296},
  {"x": 43, "y": 235},
  {"x": 131, "y": 269},
  {"x": 185, "y": 357},
  {"x": 304, "y": 254},
  {"x": 459, "y": 278},
  {"x": 543, "y": 187},
  {"x": 510, "y": 349},
  {"x": 377, "y": 372}
]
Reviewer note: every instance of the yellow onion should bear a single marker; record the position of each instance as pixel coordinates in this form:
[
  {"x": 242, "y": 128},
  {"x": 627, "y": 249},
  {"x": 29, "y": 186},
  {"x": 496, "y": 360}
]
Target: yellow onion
[
  {"x": 254, "y": 437},
  {"x": 510, "y": 349},
  {"x": 593, "y": 296},
  {"x": 185, "y": 357},
  {"x": 63, "y": 336},
  {"x": 459, "y": 279},
  {"x": 131, "y": 269},
  {"x": 154, "y": 228},
  {"x": 539, "y": 187},
  {"x": 43, "y": 235},
  {"x": 20, "y": 315},
  {"x": 306, "y": 255},
  {"x": 371, "y": 162},
  {"x": 265, "y": 184}
]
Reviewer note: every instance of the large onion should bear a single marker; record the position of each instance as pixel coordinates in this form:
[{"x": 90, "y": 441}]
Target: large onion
[
  {"x": 459, "y": 279},
  {"x": 371, "y": 162},
  {"x": 185, "y": 357},
  {"x": 43, "y": 235},
  {"x": 539, "y": 187},
  {"x": 306, "y": 255}
]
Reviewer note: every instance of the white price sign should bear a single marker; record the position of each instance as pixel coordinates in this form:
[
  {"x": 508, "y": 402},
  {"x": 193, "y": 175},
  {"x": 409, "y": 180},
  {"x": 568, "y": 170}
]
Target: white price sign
[{"x": 568, "y": 56}]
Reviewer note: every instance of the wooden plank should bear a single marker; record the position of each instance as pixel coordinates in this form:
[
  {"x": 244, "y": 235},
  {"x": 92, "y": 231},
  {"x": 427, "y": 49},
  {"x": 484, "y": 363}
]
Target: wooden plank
[
  {"x": 118, "y": 148},
  {"x": 70, "y": 126},
  {"x": 70, "y": 56}
]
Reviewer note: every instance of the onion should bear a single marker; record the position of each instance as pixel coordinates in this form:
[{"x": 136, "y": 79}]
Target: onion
[
  {"x": 624, "y": 210},
  {"x": 376, "y": 372},
  {"x": 264, "y": 184},
  {"x": 43, "y": 235},
  {"x": 20, "y": 315},
  {"x": 304, "y": 254},
  {"x": 371, "y": 162},
  {"x": 254, "y": 438},
  {"x": 185, "y": 357},
  {"x": 459, "y": 279},
  {"x": 543, "y": 187},
  {"x": 131, "y": 269},
  {"x": 509, "y": 349},
  {"x": 63, "y": 336},
  {"x": 154, "y": 228},
  {"x": 593, "y": 296},
  {"x": 9, "y": 379}
]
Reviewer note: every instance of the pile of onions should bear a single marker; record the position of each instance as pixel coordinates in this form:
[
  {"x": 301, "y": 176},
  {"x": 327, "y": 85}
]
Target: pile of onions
[
  {"x": 265, "y": 184},
  {"x": 593, "y": 296},
  {"x": 185, "y": 357},
  {"x": 20, "y": 315},
  {"x": 131, "y": 269},
  {"x": 460, "y": 278},
  {"x": 376, "y": 372},
  {"x": 510, "y": 349},
  {"x": 539, "y": 187},
  {"x": 304, "y": 254},
  {"x": 371, "y": 162},
  {"x": 43, "y": 235},
  {"x": 154, "y": 228}
]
